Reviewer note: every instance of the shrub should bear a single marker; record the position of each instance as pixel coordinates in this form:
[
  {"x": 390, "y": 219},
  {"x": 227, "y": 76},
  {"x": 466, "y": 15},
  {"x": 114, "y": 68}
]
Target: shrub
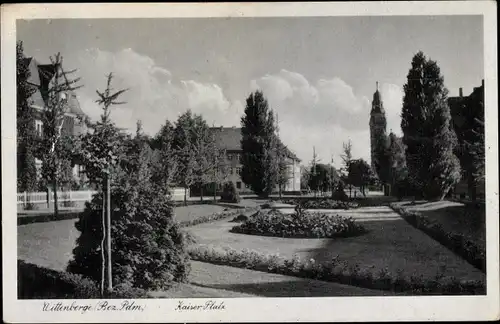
[
  {"x": 336, "y": 270},
  {"x": 210, "y": 218},
  {"x": 339, "y": 193},
  {"x": 299, "y": 224},
  {"x": 321, "y": 203},
  {"x": 457, "y": 242},
  {"x": 229, "y": 193},
  {"x": 36, "y": 282},
  {"x": 148, "y": 248}
]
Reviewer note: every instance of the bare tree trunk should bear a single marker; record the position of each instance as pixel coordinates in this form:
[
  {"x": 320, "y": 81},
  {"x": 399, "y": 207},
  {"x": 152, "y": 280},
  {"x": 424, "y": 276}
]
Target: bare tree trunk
[
  {"x": 56, "y": 205},
  {"x": 201, "y": 192},
  {"x": 215, "y": 191},
  {"x": 185, "y": 195},
  {"x": 103, "y": 258},
  {"x": 108, "y": 232}
]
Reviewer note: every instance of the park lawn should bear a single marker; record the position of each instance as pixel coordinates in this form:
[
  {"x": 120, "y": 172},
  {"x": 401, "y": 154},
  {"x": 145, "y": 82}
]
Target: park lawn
[
  {"x": 455, "y": 217},
  {"x": 391, "y": 244},
  {"x": 191, "y": 212},
  {"x": 50, "y": 244}
]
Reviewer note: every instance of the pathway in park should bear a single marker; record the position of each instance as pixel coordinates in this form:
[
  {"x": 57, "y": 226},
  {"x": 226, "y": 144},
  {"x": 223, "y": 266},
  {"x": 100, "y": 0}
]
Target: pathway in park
[{"x": 50, "y": 245}]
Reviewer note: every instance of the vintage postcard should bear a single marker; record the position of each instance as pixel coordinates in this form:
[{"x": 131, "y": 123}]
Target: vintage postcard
[{"x": 250, "y": 162}]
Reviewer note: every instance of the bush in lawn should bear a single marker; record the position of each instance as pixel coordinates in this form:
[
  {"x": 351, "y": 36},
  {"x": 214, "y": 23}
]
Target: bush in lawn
[
  {"x": 36, "y": 282},
  {"x": 337, "y": 270},
  {"x": 339, "y": 193},
  {"x": 299, "y": 224},
  {"x": 322, "y": 203},
  {"x": 148, "y": 248},
  {"x": 210, "y": 218},
  {"x": 229, "y": 193}
]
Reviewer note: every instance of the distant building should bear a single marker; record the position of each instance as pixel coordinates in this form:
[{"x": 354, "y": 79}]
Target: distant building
[
  {"x": 378, "y": 125},
  {"x": 462, "y": 110},
  {"x": 41, "y": 77},
  {"x": 229, "y": 138}
]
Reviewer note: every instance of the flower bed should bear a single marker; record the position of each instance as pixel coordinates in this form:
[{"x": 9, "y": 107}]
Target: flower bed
[
  {"x": 300, "y": 224},
  {"x": 338, "y": 271},
  {"x": 456, "y": 242},
  {"x": 36, "y": 282},
  {"x": 213, "y": 217},
  {"x": 321, "y": 203}
]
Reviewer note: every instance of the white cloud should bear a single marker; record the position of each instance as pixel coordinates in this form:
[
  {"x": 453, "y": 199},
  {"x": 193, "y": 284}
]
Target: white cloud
[
  {"x": 324, "y": 115},
  {"x": 154, "y": 96}
]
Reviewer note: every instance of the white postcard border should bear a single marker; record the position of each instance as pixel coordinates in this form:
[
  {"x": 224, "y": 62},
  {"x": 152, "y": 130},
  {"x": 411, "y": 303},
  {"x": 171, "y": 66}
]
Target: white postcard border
[{"x": 458, "y": 308}]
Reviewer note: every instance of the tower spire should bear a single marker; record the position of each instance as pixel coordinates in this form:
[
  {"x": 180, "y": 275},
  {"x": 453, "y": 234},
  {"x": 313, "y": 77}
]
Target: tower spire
[{"x": 376, "y": 84}]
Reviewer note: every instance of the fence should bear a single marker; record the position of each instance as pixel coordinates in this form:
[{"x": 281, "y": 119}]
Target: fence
[{"x": 42, "y": 197}]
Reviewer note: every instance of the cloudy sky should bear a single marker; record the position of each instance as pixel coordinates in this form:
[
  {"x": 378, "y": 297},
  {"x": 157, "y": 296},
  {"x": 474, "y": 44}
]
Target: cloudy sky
[{"x": 318, "y": 74}]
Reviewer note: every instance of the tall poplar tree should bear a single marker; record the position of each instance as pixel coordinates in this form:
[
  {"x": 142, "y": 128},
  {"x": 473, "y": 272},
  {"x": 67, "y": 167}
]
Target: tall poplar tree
[
  {"x": 26, "y": 167},
  {"x": 428, "y": 135},
  {"x": 259, "y": 160}
]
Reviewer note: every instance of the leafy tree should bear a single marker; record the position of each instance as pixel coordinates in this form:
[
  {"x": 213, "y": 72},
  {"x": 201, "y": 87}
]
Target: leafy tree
[
  {"x": 428, "y": 137},
  {"x": 346, "y": 160},
  {"x": 323, "y": 179},
  {"x": 165, "y": 158},
  {"x": 26, "y": 149},
  {"x": 360, "y": 174},
  {"x": 101, "y": 151},
  {"x": 229, "y": 193},
  {"x": 196, "y": 151},
  {"x": 56, "y": 148},
  {"x": 146, "y": 243},
  {"x": 259, "y": 161},
  {"x": 305, "y": 175},
  {"x": 397, "y": 163},
  {"x": 208, "y": 156},
  {"x": 283, "y": 175}
]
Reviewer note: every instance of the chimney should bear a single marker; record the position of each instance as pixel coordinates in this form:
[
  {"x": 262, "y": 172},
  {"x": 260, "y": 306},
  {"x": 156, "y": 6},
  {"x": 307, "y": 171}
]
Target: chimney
[{"x": 460, "y": 92}]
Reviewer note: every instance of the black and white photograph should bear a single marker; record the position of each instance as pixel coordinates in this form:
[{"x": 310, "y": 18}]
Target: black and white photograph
[{"x": 204, "y": 160}]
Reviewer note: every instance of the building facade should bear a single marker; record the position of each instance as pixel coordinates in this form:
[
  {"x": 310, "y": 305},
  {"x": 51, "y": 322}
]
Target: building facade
[
  {"x": 464, "y": 110},
  {"x": 41, "y": 78},
  {"x": 229, "y": 139}
]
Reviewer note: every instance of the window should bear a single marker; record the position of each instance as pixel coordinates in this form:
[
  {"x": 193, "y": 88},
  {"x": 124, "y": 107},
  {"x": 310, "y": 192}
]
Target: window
[
  {"x": 238, "y": 185},
  {"x": 229, "y": 157},
  {"x": 39, "y": 127},
  {"x": 231, "y": 171},
  {"x": 238, "y": 171}
]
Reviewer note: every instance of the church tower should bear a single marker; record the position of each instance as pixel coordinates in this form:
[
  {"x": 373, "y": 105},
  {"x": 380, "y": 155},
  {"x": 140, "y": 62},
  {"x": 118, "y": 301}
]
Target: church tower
[{"x": 378, "y": 126}]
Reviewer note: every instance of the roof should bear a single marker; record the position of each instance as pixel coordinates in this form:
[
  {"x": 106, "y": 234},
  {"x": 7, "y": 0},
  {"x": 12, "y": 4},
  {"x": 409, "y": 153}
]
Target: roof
[
  {"x": 40, "y": 76},
  {"x": 377, "y": 105},
  {"x": 229, "y": 138}
]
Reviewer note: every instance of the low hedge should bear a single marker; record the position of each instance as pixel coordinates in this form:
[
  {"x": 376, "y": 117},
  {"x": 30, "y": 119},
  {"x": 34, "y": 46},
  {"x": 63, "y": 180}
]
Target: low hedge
[
  {"x": 35, "y": 282},
  {"x": 338, "y": 271},
  {"x": 213, "y": 217},
  {"x": 321, "y": 204},
  {"x": 299, "y": 225},
  {"x": 456, "y": 242}
]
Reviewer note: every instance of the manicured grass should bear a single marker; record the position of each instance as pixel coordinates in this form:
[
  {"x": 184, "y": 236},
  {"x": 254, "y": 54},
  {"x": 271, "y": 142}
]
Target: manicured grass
[
  {"x": 188, "y": 213},
  {"x": 391, "y": 243},
  {"x": 47, "y": 244},
  {"x": 267, "y": 284},
  {"x": 466, "y": 219}
]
